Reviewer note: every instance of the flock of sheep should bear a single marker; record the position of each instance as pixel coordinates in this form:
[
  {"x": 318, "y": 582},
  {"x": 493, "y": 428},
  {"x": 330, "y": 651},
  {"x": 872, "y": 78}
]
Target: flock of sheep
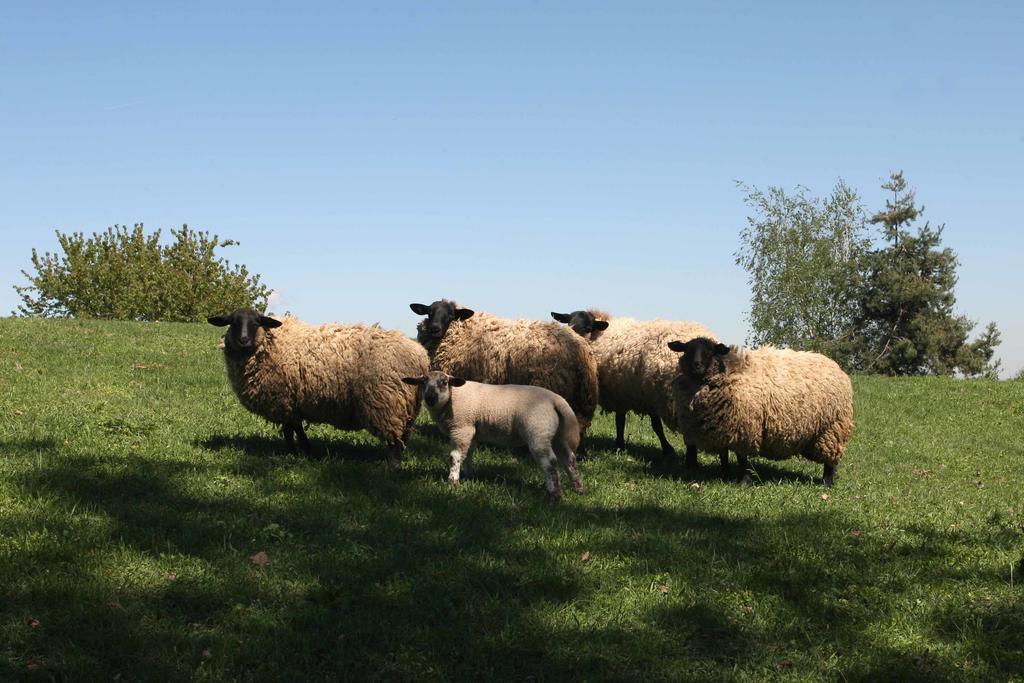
[{"x": 537, "y": 384}]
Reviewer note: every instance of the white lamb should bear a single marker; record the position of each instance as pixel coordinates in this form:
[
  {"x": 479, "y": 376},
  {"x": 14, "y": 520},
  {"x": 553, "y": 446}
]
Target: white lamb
[{"x": 506, "y": 415}]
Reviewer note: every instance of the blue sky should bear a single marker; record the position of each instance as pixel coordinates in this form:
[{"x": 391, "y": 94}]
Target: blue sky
[{"x": 519, "y": 157}]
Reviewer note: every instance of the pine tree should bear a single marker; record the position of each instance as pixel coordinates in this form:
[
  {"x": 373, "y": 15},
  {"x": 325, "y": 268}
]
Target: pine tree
[{"x": 907, "y": 325}]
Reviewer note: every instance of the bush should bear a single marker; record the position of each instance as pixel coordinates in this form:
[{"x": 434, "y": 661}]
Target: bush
[{"x": 125, "y": 274}]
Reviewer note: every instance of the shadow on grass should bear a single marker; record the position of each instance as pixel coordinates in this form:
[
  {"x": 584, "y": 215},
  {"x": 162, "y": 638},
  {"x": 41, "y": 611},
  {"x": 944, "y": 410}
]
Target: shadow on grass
[
  {"x": 264, "y": 446},
  {"x": 710, "y": 470},
  {"x": 378, "y": 574},
  {"x": 27, "y": 445},
  {"x": 992, "y": 632}
]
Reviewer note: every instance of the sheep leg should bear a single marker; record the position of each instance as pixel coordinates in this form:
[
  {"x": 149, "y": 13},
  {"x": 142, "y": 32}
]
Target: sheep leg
[
  {"x": 303, "y": 441},
  {"x": 290, "y": 430},
  {"x": 453, "y": 473},
  {"x": 462, "y": 445},
  {"x": 724, "y": 457},
  {"x": 620, "y": 430},
  {"x": 395, "y": 452},
  {"x": 666, "y": 448},
  {"x": 289, "y": 437},
  {"x": 691, "y": 456},
  {"x": 407, "y": 432},
  {"x": 830, "y": 474},
  {"x": 741, "y": 459},
  {"x": 582, "y": 450},
  {"x": 545, "y": 457},
  {"x": 567, "y": 459},
  {"x": 468, "y": 468}
]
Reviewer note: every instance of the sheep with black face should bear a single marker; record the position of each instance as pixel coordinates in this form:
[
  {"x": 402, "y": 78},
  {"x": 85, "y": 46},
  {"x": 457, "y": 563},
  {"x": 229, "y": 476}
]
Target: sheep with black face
[
  {"x": 635, "y": 368},
  {"x": 347, "y": 376},
  {"x": 483, "y": 348},
  {"x": 586, "y": 324},
  {"x": 470, "y": 413},
  {"x": 767, "y": 402}
]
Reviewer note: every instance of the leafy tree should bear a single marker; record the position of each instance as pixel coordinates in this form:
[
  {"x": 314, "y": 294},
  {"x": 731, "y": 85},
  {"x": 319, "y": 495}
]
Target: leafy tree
[
  {"x": 128, "y": 275},
  {"x": 802, "y": 254},
  {"x": 906, "y": 324}
]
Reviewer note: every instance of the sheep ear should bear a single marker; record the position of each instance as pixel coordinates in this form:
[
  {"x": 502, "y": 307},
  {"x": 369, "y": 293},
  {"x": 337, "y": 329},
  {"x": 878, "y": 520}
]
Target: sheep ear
[
  {"x": 414, "y": 380},
  {"x": 456, "y": 381},
  {"x": 677, "y": 346},
  {"x": 561, "y": 317},
  {"x": 600, "y": 325},
  {"x": 420, "y": 309},
  {"x": 269, "y": 323},
  {"x": 219, "y": 320},
  {"x": 721, "y": 349},
  {"x": 463, "y": 313}
]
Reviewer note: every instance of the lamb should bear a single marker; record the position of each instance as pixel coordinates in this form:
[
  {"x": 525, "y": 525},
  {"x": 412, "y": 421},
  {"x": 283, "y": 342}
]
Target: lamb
[
  {"x": 349, "y": 377},
  {"x": 636, "y": 369},
  {"x": 484, "y": 348},
  {"x": 767, "y": 402},
  {"x": 508, "y": 415}
]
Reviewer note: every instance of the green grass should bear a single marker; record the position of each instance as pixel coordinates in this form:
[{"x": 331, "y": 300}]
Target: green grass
[{"x": 134, "y": 489}]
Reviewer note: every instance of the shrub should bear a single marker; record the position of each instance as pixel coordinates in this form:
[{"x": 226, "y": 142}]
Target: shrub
[{"x": 125, "y": 274}]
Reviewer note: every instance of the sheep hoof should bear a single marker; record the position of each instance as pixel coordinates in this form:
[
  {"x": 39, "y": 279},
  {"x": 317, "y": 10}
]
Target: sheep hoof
[
  {"x": 554, "y": 497},
  {"x": 745, "y": 480},
  {"x": 454, "y": 483}
]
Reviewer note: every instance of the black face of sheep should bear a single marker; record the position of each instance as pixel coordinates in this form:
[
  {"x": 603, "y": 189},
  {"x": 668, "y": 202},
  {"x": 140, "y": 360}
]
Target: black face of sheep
[
  {"x": 440, "y": 315},
  {"x": 242, "y": 324},
  {"x": 698, "y": 356},
  {"x": 582, "y": 323},
  {"x": 436, "y": 387}
]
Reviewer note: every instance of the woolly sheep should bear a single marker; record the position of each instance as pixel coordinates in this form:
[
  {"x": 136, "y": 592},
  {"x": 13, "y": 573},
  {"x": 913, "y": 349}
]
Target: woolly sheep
[
  {"x": 635, "y": 368},
  {"x": 484, "y": 348},
  {"x": 507, "y": 415},
  {"x": 349, "y": 377},
  {"x": 767, "y": 402}
]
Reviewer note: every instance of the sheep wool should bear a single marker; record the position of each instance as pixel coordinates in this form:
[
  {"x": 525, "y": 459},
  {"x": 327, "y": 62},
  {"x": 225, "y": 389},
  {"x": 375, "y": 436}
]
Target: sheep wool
[
  {"x": 772, "y": 403},
  {"x": 635, "y": 366},
  {"x": 349, "y": 377},
  {"x": 495, "y": 350}
]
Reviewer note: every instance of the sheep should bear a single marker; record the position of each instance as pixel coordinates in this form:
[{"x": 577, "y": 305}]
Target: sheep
[
  {"x": 635, "y": 368},
  {"x": 346, "y": 376},
  {"x": 483, "y": 348},
  {"x": 507, "y": 415},
  {"x": 767, "y": 402}
]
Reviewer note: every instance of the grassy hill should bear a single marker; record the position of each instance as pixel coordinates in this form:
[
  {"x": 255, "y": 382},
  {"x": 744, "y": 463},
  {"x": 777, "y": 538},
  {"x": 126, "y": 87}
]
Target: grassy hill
[{"x": 134, "y": 491}]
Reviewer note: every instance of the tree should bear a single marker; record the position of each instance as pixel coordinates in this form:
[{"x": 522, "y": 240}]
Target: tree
[
  {"x": 906, "y": 323},
  {"x": 803, "y": 254},
  {"x": 818, "y": 283},
  {"x": 128, "y": 275}
]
